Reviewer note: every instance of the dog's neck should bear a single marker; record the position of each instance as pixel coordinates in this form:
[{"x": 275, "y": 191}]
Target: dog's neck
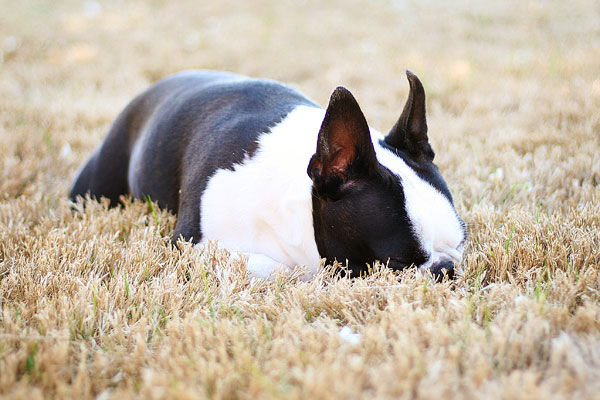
[{"x": 274, "y": 215}]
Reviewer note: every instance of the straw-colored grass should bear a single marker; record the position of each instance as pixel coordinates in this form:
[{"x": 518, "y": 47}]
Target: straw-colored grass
[{"x": 97, "y": 304}]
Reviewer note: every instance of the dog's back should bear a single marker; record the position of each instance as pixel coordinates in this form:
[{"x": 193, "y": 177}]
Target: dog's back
[{"x": 181, "y": 130}]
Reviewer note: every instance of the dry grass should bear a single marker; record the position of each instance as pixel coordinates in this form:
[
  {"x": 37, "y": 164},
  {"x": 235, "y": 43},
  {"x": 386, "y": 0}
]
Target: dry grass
[{"x": 96, "y": 304}]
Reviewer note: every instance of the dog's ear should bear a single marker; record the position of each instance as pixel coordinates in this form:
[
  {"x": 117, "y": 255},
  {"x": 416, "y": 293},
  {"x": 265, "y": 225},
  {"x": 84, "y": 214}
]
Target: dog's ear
[
  {"x": 409, "y": 134},
  {"x": 344, "y": 148}
]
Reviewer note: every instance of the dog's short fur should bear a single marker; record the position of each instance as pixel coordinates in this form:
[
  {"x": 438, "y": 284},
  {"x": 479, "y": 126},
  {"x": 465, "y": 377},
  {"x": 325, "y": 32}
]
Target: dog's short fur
[{"x": 267, "y": 172}]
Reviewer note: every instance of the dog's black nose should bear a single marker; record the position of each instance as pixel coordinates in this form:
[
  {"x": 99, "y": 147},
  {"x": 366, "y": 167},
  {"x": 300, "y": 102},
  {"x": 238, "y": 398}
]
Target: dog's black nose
[{"x": 438, "y": 270}]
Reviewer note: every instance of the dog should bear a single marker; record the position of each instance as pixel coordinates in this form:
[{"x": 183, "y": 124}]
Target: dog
[{"x": 270, "y": 174}]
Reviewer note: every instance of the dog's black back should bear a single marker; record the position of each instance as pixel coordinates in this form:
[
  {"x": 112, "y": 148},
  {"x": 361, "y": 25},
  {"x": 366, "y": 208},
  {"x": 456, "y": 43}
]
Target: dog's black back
[{"x": 171, "y": 130}]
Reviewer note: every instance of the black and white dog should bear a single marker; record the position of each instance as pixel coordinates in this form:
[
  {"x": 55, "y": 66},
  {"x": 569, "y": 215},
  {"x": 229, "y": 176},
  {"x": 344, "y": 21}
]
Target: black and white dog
[{"x": 268, "y": 173}]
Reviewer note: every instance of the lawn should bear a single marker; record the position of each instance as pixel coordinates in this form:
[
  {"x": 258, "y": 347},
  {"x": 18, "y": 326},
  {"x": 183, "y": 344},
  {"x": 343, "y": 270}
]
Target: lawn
[{"x": 96, "y": 304}]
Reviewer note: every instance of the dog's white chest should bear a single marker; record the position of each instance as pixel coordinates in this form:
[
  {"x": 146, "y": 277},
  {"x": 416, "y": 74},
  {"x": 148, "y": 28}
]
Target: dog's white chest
[{"x": 264, "y": 205}]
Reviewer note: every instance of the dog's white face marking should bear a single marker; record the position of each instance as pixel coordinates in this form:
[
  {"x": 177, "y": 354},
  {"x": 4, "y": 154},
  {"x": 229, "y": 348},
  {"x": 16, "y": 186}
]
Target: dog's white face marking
[
  {"x": 272, "y": 215},
  {"x": 434, "y": 219}
]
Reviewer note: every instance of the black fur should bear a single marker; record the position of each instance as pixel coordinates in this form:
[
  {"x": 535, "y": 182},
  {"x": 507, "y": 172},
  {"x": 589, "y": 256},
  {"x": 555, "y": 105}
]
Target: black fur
[
  {"x": 382, "y": 232},
  {"x": 425, "y": 169},
  {"x": 178, "y": 120}
]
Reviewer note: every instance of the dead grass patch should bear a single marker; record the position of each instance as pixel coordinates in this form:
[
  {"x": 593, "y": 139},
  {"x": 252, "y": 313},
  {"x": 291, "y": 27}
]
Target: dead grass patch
[{"x": 97, "y": 304}]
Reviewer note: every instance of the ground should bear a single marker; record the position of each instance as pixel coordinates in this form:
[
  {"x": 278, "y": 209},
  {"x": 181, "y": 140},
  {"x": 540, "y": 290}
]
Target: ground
[{"x": 95, "y": 304}]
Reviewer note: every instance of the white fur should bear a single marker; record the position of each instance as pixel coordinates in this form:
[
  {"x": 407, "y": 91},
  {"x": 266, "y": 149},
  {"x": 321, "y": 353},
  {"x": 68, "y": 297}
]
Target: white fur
[
  {"x": 270, "y": 219},
  {"x": 135, "y": 163},
  {"x": 433, "y": 218},
  {"x": 273, "y": 215}
]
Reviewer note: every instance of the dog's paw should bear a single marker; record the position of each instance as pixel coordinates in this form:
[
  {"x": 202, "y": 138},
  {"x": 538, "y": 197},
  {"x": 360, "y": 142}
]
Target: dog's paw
[{"x": 261, "y": 266}]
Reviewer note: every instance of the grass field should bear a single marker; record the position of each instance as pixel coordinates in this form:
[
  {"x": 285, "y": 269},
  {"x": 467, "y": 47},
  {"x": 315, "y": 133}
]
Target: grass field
[{"x": 97, "y": 305}]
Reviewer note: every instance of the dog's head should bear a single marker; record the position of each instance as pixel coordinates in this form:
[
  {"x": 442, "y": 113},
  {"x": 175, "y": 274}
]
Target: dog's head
[{"x": 382, "y": 198}]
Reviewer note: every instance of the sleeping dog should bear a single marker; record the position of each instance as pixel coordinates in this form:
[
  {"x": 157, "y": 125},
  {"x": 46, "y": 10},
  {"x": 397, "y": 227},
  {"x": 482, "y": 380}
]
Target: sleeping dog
[{"x": 268, "y": 173}]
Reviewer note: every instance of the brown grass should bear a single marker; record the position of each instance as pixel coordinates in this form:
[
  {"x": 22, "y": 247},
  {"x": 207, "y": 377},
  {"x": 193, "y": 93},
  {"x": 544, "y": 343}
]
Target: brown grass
[{"x": 96, "y": 304}]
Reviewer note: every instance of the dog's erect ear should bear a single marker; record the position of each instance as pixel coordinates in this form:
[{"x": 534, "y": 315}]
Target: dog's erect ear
[
  {"x": 410, "y": 132},
  {"x": 344, "y": 148}
]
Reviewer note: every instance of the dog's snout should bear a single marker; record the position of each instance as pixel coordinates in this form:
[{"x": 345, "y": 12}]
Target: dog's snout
[{"x": 443, "y": 267}]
